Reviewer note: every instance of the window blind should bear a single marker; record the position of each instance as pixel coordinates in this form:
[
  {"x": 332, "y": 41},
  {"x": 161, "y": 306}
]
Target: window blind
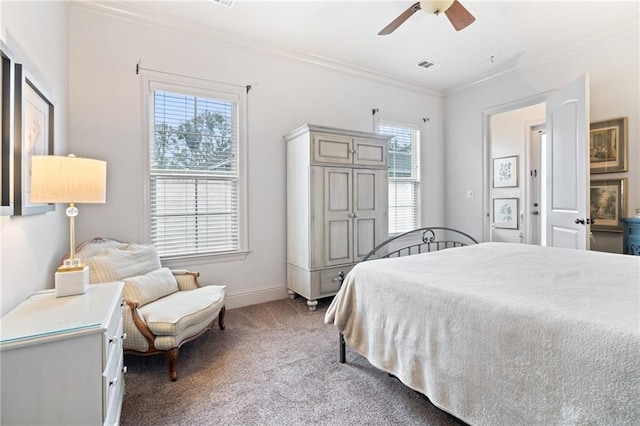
[
  {"x": 193, "y": 175},
  {"x": 404, "y": 175}
]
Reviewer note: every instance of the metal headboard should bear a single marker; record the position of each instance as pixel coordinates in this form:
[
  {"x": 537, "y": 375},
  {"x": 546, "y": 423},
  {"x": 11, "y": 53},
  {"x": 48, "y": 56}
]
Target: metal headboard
[{"x": 421, "y": 240}]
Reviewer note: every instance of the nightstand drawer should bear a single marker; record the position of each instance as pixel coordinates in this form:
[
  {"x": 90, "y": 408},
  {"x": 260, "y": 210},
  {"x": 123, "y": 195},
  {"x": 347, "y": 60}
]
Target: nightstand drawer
[
  {"x": 113, "y": 335},
  {"x": 112, "y": 377},
  {"x": 114, "y": 407},
  {"x": 634, "y": 233},
  {"x": 631, "y": 235}
]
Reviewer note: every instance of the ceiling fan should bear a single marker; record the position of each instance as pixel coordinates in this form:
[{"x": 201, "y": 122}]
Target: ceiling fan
[{"x": 459, "y": 17}]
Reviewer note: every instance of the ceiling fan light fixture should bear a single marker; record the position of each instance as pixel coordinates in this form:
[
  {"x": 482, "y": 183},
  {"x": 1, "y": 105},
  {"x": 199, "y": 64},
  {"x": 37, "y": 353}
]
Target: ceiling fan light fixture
[
  {"x": 227, "y": 3},
  {"x": 435, "y": 6},
  {"x": 457, "y": 14}
]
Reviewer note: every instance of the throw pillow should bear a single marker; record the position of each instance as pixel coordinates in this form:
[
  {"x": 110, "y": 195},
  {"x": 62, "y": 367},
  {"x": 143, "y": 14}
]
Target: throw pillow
[
  {"x": 150, "y": 286},
  {"x": 127, "y": 260}
]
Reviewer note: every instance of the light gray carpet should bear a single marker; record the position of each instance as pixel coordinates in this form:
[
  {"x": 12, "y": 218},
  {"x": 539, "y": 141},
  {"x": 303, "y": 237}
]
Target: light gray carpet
[{"x": 275, "y": 364}]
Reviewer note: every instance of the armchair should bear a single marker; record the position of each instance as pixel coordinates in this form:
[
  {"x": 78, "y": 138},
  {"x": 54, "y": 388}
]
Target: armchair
[{"x": 164, "y": 308}]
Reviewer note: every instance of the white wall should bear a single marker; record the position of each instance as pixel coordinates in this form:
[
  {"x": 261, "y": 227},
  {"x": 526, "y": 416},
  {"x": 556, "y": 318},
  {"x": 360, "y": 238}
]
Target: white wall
[
  {"x": 106, "y": 123},
  {"x": 31, "y": 246},
  {"x": 613, "y": 67}
]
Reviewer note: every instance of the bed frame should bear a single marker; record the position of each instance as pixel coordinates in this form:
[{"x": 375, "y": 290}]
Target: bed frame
[{"x": 421, "y": 240}]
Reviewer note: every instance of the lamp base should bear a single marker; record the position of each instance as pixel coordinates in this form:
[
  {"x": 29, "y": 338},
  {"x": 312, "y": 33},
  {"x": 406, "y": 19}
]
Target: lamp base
[{"x": 75, "y": 281}]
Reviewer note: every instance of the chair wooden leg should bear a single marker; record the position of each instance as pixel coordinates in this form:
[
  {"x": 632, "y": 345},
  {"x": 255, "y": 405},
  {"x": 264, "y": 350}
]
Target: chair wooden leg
[
  {"x": 172, "y": 357},
  {"x": 221, "y": 317}
]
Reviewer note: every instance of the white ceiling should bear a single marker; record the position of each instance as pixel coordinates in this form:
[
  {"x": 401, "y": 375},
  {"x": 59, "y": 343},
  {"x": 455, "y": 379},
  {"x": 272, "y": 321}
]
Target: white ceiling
[{"x": 506, "y": 35}]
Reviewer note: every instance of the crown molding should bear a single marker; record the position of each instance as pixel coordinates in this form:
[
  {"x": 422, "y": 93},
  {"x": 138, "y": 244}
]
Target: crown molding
[
  {"x": 130, "y": 11},
  {"x": 608, "y": 34}
]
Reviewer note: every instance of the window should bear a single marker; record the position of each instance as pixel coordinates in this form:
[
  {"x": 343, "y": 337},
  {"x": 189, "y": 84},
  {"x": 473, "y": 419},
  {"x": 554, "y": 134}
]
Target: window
[
  {"x": 404, "y": 175},
  {"x": 196, "y": 165}
]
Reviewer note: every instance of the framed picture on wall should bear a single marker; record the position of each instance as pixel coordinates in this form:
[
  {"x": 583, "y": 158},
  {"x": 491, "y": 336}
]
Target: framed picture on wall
[
  {"x": 6, "y": 131},
  {"x": 608, "y": 204},
  {"x": 608, "y": 146},
  {"x": 33, "y": 136},
  {"x": 505, "y": 213},
  {"x": 505, "y": 172}
]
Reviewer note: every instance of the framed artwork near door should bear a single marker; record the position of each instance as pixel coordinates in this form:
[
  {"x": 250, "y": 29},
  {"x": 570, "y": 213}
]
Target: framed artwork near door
[
  {"x": 608, "y": 146},
  {"x": 505, "y": 213},
  {"x": 33, "y": 135},
  {"x": 505, "y": 172},
  {"x": 608, "y": 204}
]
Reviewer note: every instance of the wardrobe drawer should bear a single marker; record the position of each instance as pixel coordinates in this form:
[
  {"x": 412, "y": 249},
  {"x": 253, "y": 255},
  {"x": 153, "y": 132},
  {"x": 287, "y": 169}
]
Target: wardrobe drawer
[{"x": 328, "y": 279}]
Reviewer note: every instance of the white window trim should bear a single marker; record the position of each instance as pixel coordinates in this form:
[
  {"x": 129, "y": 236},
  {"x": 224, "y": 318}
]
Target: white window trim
[
  {"x": 388, "y": 118},
  {"x": 154, "y": 80}
]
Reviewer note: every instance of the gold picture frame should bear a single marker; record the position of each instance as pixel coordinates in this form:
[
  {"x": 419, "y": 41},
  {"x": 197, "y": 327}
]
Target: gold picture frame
[
  {"x": 608, "y": 204},
  {"x": 608, "y": 144}
]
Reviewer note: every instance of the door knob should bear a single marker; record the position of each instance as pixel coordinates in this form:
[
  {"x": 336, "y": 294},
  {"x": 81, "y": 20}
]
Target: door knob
[
  {"x": 580, "y": 221},
  {"x": 535, "y": 213}
]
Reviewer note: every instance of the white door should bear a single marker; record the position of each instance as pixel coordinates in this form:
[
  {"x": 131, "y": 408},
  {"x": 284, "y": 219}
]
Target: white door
[{"x": 567, "y": 168}]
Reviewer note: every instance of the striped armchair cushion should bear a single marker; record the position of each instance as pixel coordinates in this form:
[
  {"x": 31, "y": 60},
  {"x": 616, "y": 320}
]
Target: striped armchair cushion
[{"x": 174, "y": 315}]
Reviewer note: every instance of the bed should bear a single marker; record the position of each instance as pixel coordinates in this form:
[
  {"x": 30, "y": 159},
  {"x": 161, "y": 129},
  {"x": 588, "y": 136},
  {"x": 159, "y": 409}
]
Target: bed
[{"x": 499, "y": 333}]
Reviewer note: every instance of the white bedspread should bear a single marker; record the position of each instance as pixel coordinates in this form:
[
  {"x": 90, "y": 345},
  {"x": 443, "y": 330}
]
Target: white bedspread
[{"x": 503, "y": 334}]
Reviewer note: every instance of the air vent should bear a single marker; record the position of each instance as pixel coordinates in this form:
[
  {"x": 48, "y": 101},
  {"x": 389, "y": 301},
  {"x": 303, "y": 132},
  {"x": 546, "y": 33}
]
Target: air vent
[{"x": 426, "y": 64}]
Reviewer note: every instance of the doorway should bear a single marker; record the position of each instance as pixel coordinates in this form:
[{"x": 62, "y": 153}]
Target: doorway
[
  {"x": 515, "y": 134},
  {"x": 564, "y": 183}
]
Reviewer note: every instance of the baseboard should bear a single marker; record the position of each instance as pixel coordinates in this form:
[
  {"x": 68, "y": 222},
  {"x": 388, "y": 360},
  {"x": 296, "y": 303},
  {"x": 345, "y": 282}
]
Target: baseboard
[{"x": 253, "y": 297}]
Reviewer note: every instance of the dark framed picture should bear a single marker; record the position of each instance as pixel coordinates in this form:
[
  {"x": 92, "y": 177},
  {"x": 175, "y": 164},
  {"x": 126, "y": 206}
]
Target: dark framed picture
[
  {"x": 608, "y": 204},
  {"x": 6, "y": 131},
  {"x": 505, "y": 172},
  {"x": 505, "y": 213},
  {"x": 33, "y": 128},
  {"x": 608, "y": 143}
]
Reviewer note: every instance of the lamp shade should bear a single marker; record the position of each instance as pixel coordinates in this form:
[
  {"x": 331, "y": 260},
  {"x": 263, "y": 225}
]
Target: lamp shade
[{"x": 59, "y": 179}]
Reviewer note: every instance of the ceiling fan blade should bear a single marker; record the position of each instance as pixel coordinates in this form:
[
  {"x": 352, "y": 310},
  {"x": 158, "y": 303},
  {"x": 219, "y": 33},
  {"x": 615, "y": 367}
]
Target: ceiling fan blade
[
  {"x": 400, "y": 19},
  {"x": 459, "y": 16}
]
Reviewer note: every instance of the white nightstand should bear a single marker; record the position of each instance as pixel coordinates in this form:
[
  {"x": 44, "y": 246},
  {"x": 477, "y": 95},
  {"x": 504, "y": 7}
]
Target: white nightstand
[{"x": 61, "y": 358}]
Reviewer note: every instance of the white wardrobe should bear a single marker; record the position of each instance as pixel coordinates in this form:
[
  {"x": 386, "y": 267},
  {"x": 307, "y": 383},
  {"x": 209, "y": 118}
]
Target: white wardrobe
[{"x": 337, "y": 197}]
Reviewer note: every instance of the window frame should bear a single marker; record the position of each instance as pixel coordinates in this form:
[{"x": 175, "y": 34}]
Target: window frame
[
  {"x": 157, "y": 81},
  {"x": 416, "y": 133}
]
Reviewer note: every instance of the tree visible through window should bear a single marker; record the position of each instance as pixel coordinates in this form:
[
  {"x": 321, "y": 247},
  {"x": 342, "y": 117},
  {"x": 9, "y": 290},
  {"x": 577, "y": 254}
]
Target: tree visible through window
[
  {"x": 194, "y": 179},
  {"x": 404, "y": 175}
]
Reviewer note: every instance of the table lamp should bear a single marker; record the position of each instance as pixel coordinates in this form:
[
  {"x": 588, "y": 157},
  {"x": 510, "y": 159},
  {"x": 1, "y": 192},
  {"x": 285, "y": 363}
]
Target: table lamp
[{"x": 59, "y": 179}]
